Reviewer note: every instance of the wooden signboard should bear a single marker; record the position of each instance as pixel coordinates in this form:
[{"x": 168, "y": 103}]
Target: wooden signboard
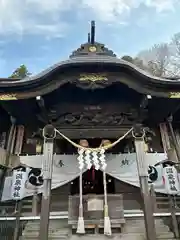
[{"x": 93, "y": 206}]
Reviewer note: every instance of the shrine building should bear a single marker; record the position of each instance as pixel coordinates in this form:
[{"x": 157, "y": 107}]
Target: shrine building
[{"x": 91, "y": 97}]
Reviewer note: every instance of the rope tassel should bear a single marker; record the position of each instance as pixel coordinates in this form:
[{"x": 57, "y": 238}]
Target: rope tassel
[
  {"x": 80, "y": 225},
  {"x": 107, "y": 222}
]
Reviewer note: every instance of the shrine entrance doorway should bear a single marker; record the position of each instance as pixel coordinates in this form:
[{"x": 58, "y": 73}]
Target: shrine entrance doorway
[
  {"x": 93, "y": 183},
  {"x": 93, "y": 179}
]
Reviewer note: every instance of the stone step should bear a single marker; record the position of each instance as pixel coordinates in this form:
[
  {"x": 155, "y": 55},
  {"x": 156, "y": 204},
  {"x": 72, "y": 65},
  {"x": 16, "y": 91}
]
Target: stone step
[
  {"x": 158, "y": 222},
  {"x": 49, "y": 238},
  {"x": 116, "y": 237},
  {"x": 134, "y": 230},
  {"x": 57, "y": 223},
  {"x": 165, "y": 235},
  {"x": 58, "y": 229},
  {"x": 142, "y": 231},
  {"x": 136, "y": 227},
  {"x": 50, "y": 233},
  {"x": 97, "y": 237},
  {"x": 35, "y": 236}
]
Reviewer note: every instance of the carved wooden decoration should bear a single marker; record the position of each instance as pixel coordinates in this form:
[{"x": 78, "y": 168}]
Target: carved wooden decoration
[{"x": 79, "y": 116}]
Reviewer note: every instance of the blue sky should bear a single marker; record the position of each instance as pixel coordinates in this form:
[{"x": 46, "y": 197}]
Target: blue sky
[{"x": 39, "y": 33}]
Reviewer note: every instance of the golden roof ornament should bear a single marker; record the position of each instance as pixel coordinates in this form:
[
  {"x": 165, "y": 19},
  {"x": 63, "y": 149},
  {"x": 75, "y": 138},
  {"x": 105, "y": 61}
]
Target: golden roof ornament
[
  {"x": 93, "y": 77},
  {"x": 7, "y": 97},
  {"x": 174, "y": 95},
  {"x": 91, "y": 47}
]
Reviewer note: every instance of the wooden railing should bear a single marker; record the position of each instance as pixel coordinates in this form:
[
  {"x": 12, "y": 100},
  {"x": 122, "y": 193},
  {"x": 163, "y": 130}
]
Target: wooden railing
[
  {"x": 13, "y": 161},
  {"x": 170, "y": 205},
  {"x": 164, "y": 203},
  {"x": 160, "y": 204}
]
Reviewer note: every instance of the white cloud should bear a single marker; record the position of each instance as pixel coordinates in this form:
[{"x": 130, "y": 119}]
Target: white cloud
[
  {"x": 108, "y": 10},
  {"x": 117, "y": 10},
  {"x": 2, "y": 61},
  {"x": 162, "y": 5},
  {"x": 45, "y": 16},
  {"x": 32, "y": 16}
]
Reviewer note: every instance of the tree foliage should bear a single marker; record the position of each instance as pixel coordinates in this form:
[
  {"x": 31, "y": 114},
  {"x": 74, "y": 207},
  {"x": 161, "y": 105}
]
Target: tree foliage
[
  {"x": 161, "y": 60},
  {"x": 175, "y": 50},
  {"x": 20, "y": 72},
  {"x": 157, "y": 59},
  {"x": 136, "y": 61},
  {"x": 128, "y": 58}
]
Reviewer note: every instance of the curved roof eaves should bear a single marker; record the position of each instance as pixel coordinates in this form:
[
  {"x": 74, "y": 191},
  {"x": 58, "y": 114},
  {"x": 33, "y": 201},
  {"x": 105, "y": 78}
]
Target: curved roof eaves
[{"x": 87, "y": 60}]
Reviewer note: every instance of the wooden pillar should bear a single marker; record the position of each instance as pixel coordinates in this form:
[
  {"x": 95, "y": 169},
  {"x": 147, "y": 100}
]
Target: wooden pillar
[
  {"x": 11, "y": 140},
  {"x": 19, "y": 204},
  {"x": 177, "y": 134},
  {"x": 166, "y": 144},
  {"x": 2, "y": 151},
  {"x": 35, "y": 204},
  {"x": 9, "y": 151},
  {"x": 139, "y": 135},
  {"x": 17, "y": 223},
  {"x": 35, "y": 198},
  {"x": 153, "y": 198},
  {"x": 49, "y": 135},
  {"x": 174, "y": 140},
  {"x": 173, "y": 217}
]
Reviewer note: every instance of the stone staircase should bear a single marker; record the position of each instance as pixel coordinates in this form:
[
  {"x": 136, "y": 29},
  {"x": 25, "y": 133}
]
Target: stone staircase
[
  {"x": 133, "y": 230},
  {"x": 58, "y": 229}
]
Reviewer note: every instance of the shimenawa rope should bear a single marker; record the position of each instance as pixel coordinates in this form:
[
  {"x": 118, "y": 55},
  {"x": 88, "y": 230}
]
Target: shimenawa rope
[{"x": 95, "y": 149}]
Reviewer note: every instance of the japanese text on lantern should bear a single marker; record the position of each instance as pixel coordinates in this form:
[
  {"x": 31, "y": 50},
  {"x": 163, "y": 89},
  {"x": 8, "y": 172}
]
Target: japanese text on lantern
[
  {"x": 171, "y": 180},
  {"x": 18, "y": 185}
]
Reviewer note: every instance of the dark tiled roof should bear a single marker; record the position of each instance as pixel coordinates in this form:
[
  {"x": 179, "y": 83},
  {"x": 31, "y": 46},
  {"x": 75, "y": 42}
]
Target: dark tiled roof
[{"x": 84, "y": 60}]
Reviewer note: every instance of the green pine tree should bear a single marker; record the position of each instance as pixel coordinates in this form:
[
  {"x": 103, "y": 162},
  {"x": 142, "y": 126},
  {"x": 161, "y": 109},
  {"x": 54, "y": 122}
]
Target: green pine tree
[{"x": 21, "y": 72}]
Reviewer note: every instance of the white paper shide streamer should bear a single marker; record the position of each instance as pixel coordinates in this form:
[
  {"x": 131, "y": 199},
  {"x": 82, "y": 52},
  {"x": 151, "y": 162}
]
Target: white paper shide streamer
[
  {"x": 81, "y": 158},
  {"x": 102, "y": 160},
  {"x": 95, "y": 160},
  {"x": 88, "y": 159}
]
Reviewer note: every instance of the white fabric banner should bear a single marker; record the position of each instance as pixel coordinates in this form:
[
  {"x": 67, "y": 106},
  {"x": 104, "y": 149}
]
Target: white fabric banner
[
  {"x": 121, "y": 166},
  {"x": 171, "y": 180},
  {"x": 18, "y": 182},
  {"x": 124, "y": 168},
  {"x": 65, "y": 169}
]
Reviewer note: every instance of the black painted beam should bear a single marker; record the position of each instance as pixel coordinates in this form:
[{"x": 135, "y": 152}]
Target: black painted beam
[{"x": 43, "y": 111}]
